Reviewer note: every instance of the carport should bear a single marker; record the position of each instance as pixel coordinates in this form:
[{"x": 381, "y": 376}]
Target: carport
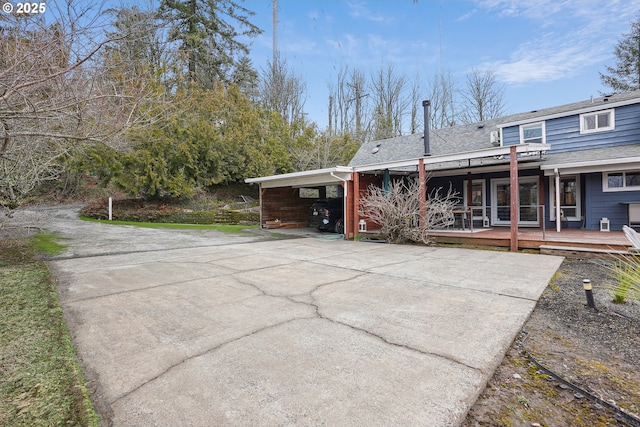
[{"x": 282, "y": 198}]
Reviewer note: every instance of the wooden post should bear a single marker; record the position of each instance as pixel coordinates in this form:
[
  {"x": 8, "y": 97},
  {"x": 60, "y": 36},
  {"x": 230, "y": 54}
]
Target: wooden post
[
  {"x": 541, "y": 200},
  {"x": 470, "y": 199},
  {"x": 515, "y": 193},
  {"x": 356, "y": 200},
  {"x": 422, "y": 176}
]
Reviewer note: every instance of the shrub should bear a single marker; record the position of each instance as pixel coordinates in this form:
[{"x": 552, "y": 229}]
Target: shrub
[
  {"x": 625, "y": 270},
  {"x": 397, "y": 210}
]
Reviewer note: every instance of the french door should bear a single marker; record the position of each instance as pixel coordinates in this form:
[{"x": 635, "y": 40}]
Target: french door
[{"x": 501, "y": 201}]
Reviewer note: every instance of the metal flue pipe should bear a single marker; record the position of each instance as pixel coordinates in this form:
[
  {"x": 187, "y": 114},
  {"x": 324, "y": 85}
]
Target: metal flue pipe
[{"x": 427, "y": 149}]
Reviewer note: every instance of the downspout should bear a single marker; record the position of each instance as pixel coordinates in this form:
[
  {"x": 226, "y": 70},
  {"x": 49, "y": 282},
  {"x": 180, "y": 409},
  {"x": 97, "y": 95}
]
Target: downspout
[
  {"x": 557, "y": 196},
  {"x": 344, "y": 203},
  {"x": 427, "y": 149}
]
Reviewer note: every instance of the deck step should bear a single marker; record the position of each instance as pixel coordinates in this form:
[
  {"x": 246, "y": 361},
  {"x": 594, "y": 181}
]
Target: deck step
[{"x": 579, "y": 251}]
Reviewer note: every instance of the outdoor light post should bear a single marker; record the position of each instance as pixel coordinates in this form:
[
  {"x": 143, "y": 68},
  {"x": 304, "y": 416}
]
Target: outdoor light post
[{"x": 588, "y": 290}]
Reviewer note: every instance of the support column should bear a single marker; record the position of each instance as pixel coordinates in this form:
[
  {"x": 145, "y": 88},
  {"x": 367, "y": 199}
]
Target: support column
[
  {"x": 356, "y": 200},
  {"x": 422, "y": 176},
  {"x": 557, "y": 196},
  {"x": 541, "y": 199},
  {"x": 470, "y": 198},
  {"x": 515, "y": 195}
]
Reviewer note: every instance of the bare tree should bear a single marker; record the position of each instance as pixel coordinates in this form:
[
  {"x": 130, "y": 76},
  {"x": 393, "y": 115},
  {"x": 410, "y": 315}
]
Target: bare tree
[
  {"x": 55, "y": 94},
  {"x": 441, "y": 94},
  {"x": 282, "y": 91},
  {"x": 397, "y": 210},
  {"x": 325, "y": 151},
  {"x": 417, "y": 119},
  {"x": 390, "y": 102},
  {"x": 347, "y": 104},
  {"x": 482, "y": 99}
]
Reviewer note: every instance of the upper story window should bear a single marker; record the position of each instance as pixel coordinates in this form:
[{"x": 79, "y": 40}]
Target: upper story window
[
  {"x": 533, "y": 132},
  {"x": 621, "y": 181},
  {"x": 596, "y": 122}
]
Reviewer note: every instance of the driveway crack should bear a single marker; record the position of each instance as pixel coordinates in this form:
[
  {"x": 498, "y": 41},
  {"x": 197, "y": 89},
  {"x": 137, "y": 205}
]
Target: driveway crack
[
  {"x": 397, "y": 345},
  {"x": 207, "y": 351}
]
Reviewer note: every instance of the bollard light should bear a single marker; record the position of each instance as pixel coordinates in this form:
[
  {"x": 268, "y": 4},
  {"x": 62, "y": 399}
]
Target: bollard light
[{"x": 588, "y": 290}]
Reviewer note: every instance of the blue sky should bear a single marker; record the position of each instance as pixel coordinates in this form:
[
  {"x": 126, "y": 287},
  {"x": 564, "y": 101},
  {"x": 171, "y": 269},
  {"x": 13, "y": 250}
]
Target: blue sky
[{"x": 545, "y": 52}]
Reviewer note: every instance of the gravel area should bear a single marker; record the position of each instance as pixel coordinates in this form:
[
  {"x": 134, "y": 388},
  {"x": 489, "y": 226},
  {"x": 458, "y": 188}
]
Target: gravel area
[{"x": 597, "y": 350}]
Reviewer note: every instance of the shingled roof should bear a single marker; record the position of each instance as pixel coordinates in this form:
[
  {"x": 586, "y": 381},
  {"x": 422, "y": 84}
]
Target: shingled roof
[{"x": 476, "y": 136}]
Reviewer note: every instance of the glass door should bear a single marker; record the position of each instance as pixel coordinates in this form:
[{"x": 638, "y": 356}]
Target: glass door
[
  {"x": 501, "y": 199},
  {"x": 477, "y": 204}
]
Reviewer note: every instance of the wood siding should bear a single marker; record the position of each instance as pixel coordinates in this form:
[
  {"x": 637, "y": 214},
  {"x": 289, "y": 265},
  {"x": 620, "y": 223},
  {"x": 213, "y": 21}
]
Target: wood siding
[
  {"x": 365, "y": 180},
  {"x": 563, "y": 133},
  {"x": 285, "y": 204}
]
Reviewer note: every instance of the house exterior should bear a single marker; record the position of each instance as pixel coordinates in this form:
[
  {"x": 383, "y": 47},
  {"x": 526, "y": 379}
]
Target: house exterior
[{"x": 575, "y": 166}]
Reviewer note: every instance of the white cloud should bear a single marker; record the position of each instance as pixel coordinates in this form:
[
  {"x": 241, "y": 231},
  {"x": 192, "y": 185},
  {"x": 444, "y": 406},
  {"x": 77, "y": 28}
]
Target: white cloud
[
  {"x": 348, "y": 46},
  {"x": 360, "y": 10},
  {"x": 301, "y": 47},
  {"x": 574, "y": 35}
]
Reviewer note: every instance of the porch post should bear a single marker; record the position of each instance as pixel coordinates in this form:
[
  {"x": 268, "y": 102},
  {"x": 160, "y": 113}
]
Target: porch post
[
  {"x": 557, "y": 196},
  {"x": 261, "y": 190},
  {"x": 356, "y": 200},
  {"x": 541, "y": 200},
  {"x": 423, "y": 191},
  {"x": 470, "y": 198},
  {"x": 515, "y": 193}
]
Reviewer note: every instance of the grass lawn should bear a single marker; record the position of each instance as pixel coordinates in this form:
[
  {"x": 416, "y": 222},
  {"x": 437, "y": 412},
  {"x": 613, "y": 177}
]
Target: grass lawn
[
  {"x": 41, "y": 383},
  {"x": 225, "y": 228}
]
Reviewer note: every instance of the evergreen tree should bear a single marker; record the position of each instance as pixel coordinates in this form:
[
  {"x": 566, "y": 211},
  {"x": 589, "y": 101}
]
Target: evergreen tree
[
  {"x": 625, "y": 76},
  {"x": 208, "y": 43}
]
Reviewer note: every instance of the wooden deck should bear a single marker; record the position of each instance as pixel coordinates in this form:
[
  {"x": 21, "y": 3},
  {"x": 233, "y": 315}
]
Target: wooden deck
[{"x": 568, "y": 242}]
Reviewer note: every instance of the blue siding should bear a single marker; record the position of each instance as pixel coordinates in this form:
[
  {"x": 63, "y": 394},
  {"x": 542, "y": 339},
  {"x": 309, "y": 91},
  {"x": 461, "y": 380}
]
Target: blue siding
[
  {"x": 601, "y": 204},
  {"x": 563, "y": 134},
  {"x": 511, "y": 136}
]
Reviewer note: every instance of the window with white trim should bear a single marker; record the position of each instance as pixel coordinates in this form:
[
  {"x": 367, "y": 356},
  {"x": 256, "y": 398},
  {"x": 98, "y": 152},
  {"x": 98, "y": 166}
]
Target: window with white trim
[
  {"x": 597, "y": 122},
  {"x": 621, "y": 181},
  {"x": 533, "y": 132}
]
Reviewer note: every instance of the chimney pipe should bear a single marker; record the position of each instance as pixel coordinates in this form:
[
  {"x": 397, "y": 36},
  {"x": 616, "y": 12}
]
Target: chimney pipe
[{"x": 425, "y": 106}]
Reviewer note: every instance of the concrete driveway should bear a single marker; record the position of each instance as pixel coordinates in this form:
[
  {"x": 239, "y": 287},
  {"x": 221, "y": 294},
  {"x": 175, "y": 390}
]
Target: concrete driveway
[{"x": 243, "y": 332}]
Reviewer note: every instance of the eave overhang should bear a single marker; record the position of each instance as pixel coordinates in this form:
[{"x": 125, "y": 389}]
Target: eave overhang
[
  {"x": 606, "y": 165},
  {"x": 335, "y": 175}
]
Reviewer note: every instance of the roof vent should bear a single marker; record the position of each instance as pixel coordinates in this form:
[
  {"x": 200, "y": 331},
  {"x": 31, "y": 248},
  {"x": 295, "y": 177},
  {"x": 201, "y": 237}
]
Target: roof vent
[{"x": 375, "y": 150}]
